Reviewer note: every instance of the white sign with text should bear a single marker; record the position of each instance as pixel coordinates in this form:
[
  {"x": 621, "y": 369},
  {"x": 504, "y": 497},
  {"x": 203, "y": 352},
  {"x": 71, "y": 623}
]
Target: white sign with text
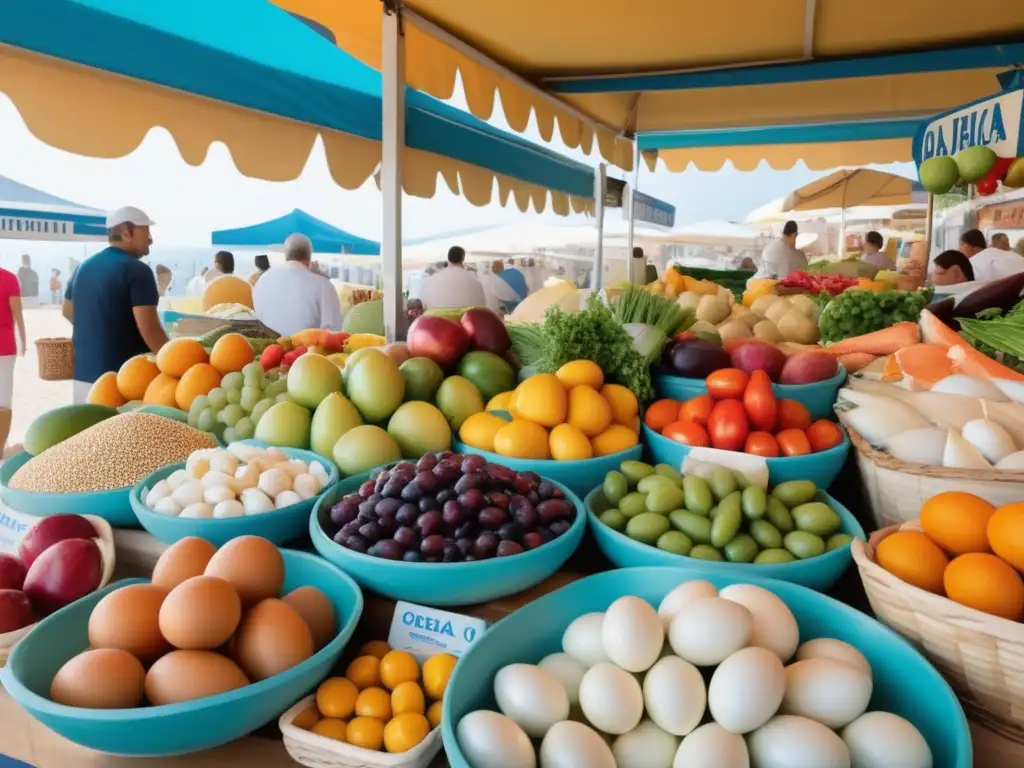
[{"x": 425, "y": 631}]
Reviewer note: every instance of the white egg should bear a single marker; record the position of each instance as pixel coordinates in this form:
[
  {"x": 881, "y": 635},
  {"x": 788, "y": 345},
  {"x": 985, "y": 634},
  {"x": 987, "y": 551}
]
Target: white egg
[
  {"x": 218, "y": 493},
  {"x": 611, "y": 698},
  {"x": 167, "y": 506},
  {"x": 645, "y": 746},
  {"x": 707, "y": 632},
  {"x": 176, "y": 478},
  {"x": 832, "y": 692},
  {"x": 568, "y": 671},
  {"x": 582, "y": 639},
  {"x": 632, "y": 634},
  {"x": 574, "y": 745},
  {"x": 775, "y": 627},
  {"x": 228, "y": 508},
  {"x": 796, "y": 742},
  {"x": 674, "y": 695},
  {"x": 189, "y": 492},
  {"x": 747, "y": 689},
  {"x": 532, "y": 697},
  {"x": 711, "y": 746},
  {"x": 680, "y": 597},
  {"x": 159, "y": 491},
  {"x": 885, "y": 740},
  {"x": 490, "y": 740},
  {"x": 286, "y": 499},
  {"x": 198, "y": 511},
  {"x": 829, "y": 648}
]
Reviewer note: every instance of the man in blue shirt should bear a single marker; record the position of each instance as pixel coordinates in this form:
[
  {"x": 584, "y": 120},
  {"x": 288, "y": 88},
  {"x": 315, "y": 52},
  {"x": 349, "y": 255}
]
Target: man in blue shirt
[{"x": 111, "y": 300}]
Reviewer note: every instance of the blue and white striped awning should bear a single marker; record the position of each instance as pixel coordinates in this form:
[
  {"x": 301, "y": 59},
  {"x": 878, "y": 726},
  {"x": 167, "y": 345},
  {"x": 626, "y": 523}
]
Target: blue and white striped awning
[{"x": 27, "y": 213}]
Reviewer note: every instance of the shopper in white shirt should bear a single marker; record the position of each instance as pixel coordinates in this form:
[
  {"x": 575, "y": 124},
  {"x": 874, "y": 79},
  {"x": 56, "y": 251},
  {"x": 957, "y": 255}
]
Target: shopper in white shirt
[
  {"x": 454, "y": 286},
  {"x": 1001, "y": 240},
  {"x": 781, "y": 256},
  {"x": 497, "y": 293},
  {"x": 291, "y": 297},
  {"x": 197, "y": 284},
  {"x": 989, "y": 263}
]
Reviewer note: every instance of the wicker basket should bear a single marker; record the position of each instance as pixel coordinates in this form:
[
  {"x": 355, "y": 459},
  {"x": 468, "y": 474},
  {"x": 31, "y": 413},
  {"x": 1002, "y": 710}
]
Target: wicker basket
[
  {"x": 898, "y": 489},
  {"x": 317, "y": 751},
  {"x": 982, "y": 656},
  {"x": 56, "y": 359}
]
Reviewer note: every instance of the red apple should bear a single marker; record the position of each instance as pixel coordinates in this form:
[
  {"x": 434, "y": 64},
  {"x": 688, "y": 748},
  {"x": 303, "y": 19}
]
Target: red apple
[
  {"x": 50, "y": 530},
  {"x": 440, "y": 339},
  {"x": 15, "y": 610},
  {"x": 12, "y": 572},
  {"x": 486, "y": 331},
  {"x": 68, "y": 570}
]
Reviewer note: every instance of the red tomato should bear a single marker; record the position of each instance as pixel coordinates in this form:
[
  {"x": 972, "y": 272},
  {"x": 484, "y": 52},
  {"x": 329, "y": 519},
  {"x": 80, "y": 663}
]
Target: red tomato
[
  {"x": 762, "y": 444},
  {"x": 759, "y": 402},
  {"x": 727, "y": 383},
  {"x": 793, "y": 442},
  {"x": 793, "y": 415},
  {"x": 728, "y": 426},
  {"x": 661, "y": 413},
  {"x": 824, "y": 434},
  {"x": 687, "y": 433},
  {"x": 697, "y": 409}
]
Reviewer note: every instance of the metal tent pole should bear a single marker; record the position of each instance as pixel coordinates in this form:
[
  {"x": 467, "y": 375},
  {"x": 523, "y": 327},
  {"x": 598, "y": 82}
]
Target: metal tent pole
[
  {"x": 600, "y": 174},
  {"x": 392, "y": 146},
  {"x": 929, "y": 224}
]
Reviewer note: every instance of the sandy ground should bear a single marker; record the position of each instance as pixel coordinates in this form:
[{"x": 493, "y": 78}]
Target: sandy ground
[{"x": 32, "y": 395}]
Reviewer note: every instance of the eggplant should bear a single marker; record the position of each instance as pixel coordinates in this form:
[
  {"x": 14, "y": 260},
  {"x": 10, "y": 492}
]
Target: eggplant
[
  {"x": 943, "y": 310},
  {"x": 697, "y": 358},
  {"x": 1000, "y": 294}
]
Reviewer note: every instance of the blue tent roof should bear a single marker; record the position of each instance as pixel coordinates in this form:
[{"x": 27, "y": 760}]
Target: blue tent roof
[
  {"x": 254, "y": 55},
  {"x": 27, "y": 213},
  {"x": 326, "y": 237}
]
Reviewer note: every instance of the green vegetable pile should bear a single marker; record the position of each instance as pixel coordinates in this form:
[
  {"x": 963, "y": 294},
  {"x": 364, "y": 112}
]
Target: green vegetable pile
[
  {"x": 854, "y": 313},
  {"x": 635, "y": 305},
  {"x": 593, "y": 333},
  {"x": 733, "y": 279},
  {"x": 998, "y": 335}
]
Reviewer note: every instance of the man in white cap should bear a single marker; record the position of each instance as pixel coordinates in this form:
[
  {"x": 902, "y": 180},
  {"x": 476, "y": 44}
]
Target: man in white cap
[
  {"x": 291, "y": 296},
  {"x": 111, "y": 300}
]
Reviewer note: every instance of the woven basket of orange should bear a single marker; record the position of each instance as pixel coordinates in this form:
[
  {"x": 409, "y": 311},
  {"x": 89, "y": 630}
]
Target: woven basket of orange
[{"x": 950, "y": 583}]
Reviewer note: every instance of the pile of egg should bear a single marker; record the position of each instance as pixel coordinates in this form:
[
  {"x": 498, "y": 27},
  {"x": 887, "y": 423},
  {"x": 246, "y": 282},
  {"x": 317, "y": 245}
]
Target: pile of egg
[
  {"x": 621, "y": 696},
  {"x": 242, "y": 479}
]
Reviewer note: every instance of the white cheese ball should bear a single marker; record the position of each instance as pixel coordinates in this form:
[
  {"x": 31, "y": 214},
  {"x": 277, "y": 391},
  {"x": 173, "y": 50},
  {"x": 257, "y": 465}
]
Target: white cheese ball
[
  {"x": 229, "y": 508},
  {"x": 198, "y": 511},
  {"x": 286, "y": 499},
  {"x": 189, "y": 492},
  {"x": 246, "y": 477},
  {"x": 293, "y": 467},
  {"x": 159, "y": 491},
  {"x": 223, "y": 461},
  {"x": 274, "y": 481},
  {"x": 167, "y": 506},
  {"x": 306, "y": 485},
  {"x": 218, "y": 493},
  {"x": 632, "y": 634},
  {"x": 176, "y": 478},
  {"x": 256, "y": 502}
]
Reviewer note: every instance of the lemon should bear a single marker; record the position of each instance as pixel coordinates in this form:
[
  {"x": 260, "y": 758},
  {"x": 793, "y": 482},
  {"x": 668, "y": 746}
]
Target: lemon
[
  {"x": 522, "y": 439},
  {"x": 331, "y": 728},
  {"x": 542, "y": 399},
  {"x": 478, "y": 430},
  {"x": 405, "y": 732},
  {"x": 500, "y": 401},
  {"x": 437, "y": 670},
  {"x": 374, "y": 702},
  {"x": 623, "y": 401},
  {"x": 569, "y": 443},
  {"x": 616, "y": 438},
  {"x": 434, "y": 714},
  {"x": 364, "y": 671},
  {"x": 513, "y": 405},
  {"x": 581, "y": 373},
  {"x": 407, "y": 697},
  {"x": 336, "y": 697},
  {"x": 588, "y": 411}
]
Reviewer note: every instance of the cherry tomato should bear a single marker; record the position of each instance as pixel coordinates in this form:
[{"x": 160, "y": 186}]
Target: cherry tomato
[
  {"x": 687, "y": 433},
  {"x": 759, "y": 402},
  {"x": 793, "y": 442},
  {"x": 824, "y": 434},
  {"x": 727, "y": 383},
  {"x": 793, "y": 415},
  {"x": 661, "y": 413},
  {"x": 761, "y": 444},
  {"x": 697, "y": 409},
  {"x": 727, "y": 426}
]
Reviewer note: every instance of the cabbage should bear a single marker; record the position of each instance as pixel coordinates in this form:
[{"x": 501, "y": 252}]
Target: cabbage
[{"x": 647, "y": 340}]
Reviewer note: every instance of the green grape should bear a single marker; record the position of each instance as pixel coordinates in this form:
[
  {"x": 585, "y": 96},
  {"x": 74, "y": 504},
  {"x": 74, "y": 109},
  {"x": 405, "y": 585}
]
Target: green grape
[
  {"x": 284, "y": 397},
  {"x": 253, "y": 369},
  {"x": 217, "y": 398},
  {"x": 234, "y": 395},
  {"x": 230, "y": 435},
  {"x": 193, "y": 417},
  {"x": 245, "y": 428},
  {"x": 233, "y": 380},
  {"x": 231, "y": 414},
  {"x": 207, "y": 420},
  {"x": 201, "y": 403},
  {"x": 261, "y": 408},
  {"x": 275, "y": 388},
  {"x": 250, "y": 396}
]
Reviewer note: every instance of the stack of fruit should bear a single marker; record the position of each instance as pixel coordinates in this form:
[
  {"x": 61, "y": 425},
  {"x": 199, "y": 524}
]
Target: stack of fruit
[
  {"x": 234, "y": 407},
  {"x": 977, "y": 165},
  {"x": 381, "y": 702}
]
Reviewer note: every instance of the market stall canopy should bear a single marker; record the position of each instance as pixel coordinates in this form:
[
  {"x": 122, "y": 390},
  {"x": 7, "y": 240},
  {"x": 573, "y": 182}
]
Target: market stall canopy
[
  {"x": 850, "y": 187},
  {"x": 264, "y": 83},
  {"x": 678, "y": 73},
  {"x": 326, "y": 238},
  {"x": 712, "y": 232},
  {"x": 27, "y": 213}
]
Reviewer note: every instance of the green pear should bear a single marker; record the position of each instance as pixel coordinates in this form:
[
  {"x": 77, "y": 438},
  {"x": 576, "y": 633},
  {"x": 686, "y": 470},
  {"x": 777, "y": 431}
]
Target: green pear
[{"x": 333, "y": 418}]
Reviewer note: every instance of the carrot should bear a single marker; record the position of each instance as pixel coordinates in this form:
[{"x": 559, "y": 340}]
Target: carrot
[
  {"x": 854, "y": 361},
  {"x": 966, "y": 359},
  {"x": 883, "y": 342}
]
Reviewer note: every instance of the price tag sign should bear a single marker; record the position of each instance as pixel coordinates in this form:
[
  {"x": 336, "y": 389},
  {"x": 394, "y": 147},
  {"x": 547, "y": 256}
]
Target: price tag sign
[
  {"x": 13, "y": 526},
  {"x": 425, "y": 631}
]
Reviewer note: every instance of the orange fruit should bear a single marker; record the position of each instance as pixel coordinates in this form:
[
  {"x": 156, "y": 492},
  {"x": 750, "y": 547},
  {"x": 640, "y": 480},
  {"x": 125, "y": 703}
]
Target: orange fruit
[
  {"x": 198, "y": 380},
  {"x": 569, "y": 443},
  {"x": 405, "y": 732},
  {"x": 434, "y": 714},
  {"x": 231, "y": 353},
  {"x": 134, "y": 376},
  {"x": 227, "y": 289},
  {"x": 661, "y": 413},
  {"x": 331, "y": 728},
  {"x": 365, "y": 732},
  {"x": 398, "y": 667},
  {"x": 541, "y": 399},
  {"x": 957, "y": 522},
  {"x": 623, "y": 402},
  {"x": 1006, "y": 534},
  {"x": 374, "y": 702},
  {"x": 408, "y": 697},
  {"x": 104, "y": 391},
  {"x": 577, "y": 372},
  {"x": 178, "y": 355},
  {"x": 615, "y": 439},
  {"x": 437, "y": 670},
  {"x": 378, "y": 648},
  {"x": 336, "y": 697},
  {"x": 161, "y": 391},
  {"x": 307, "y": 718},
  {"x": 522, "y": 439},
  {"x": 914, "y": 558},
  {"x": 588, "y": 411},
  {"x": 986, "y": 583},
  {"x": 364, "y": 671}
]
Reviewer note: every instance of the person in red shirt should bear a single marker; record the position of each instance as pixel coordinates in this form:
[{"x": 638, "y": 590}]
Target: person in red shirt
[{"x": 10, "y": 318}]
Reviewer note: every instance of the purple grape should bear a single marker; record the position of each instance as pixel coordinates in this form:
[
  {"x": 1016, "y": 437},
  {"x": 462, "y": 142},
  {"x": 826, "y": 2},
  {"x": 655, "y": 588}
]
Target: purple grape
[
  {"x": 428, "y": 503},
  {"x": 492, "y": 517},
  {"x": 510, "y": 532},
  {"x": 485, "y": 546},
  {"x": 468, "y": 530},
  {"x": 370, "y": 531},
  {"x": 444, "y": 495},
  {"x": 507, "y": 548},
  {"x": 344, "y": 511},
  {"x": 451, "y": 554},
  {"x": 473, "y": 499},
  {"x": 523, "y": 512},
  {"x": 350, "y": 529},
  {"x": 407, "y": 514},
  {"x": 366, "y": 489},
  {"x": 473, "y": 463},
  {"x": 412, "y": 556},
  {"x": 387, "y": 507},
  {"x": 532, "y": 540},
  {"x": 465, "y": 546},
  {"x": 376, "y": 473},
  {"x": 432, "y": 559},
  {"x": 546, "y": 490},
  {"x": 558, "y": 494},
  {"x": 553, "y": 510},
  {"x": 412, "y": 492},
  {"x": 389, "y": 549},
  {"x": 382, "y": 480},
  {"x": 557, "y": 529},
  {"x": 428, "y": 482},
  {"x": 526, "y": 482},
  {"x": 471, "y": 480},
  {"x": 339, "y": 538},
  {"x": 430, "y": 523},
  {"x": 375, "y": 497},
  {"x": 447, "y": 471},
  {"x": 356, "y": 544},
  {"x": 501, "y": 474},
  {"x": 534, "y": 498},
  {"x": 498, "y": 499},
  {"x": 426, "y": 463},
  {"x": 432, "y": 546},
  {"x": 388, "y": 526},
  {"x": 367, "y": 510},
  {"x": 446, "y": 455},
  {"x": 546, "y": 535},
  {"x": 404, "y": 469},
  {"x": 393, "y": 488},
  {"x": 453, "y": 513},
  {"x": 406, "y": 536}
]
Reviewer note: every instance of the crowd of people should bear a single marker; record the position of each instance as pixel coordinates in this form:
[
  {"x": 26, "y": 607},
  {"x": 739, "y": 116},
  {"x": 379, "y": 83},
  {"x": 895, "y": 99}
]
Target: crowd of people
[{"x": 500, "y": 286}]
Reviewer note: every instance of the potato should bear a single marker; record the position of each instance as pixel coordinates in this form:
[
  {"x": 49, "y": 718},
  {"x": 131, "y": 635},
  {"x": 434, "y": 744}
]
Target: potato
[
  {"x": 734, "y": 329},
  {"x": 767, "y": 331},
  {"x": 713, "y": 309},
  {"x": 795, "y": 326},
  {"x": 762, "y": 304}
]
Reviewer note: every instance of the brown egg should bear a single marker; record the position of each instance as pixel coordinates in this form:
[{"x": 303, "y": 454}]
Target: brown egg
[
  {"x": 200, "y": 614},
  {"x": 272, "y": 638},
  {"x": 252, "y": 565},
  {"x": 184, "y": 559},
  {"x": 106, "y": 678},
  {"x": 187, "y": 675},
  {"x": 129, "y": 619},
  {"x": 317, "y": 611}
]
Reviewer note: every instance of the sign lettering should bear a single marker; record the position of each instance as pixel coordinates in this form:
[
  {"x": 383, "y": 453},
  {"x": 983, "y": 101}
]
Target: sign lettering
[
  {"x": 651, "y": 210},
  {"x": 425, "y": 631},
  {"x": 994, "y": 122}
]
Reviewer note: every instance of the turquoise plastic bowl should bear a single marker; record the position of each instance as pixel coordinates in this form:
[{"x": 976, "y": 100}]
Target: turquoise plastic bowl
[
  {"x": 446, "y": 584},
  {"x": 113, "y": 506},
  {"x": 819, "y": 397},
  {"x": 279, "y": 526},
  {"x": 905, "y": 683},
  {"x": 173, "y": 729},
  {"x": 822, "y": 468},
  {"x": 819, "y": 573}
]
